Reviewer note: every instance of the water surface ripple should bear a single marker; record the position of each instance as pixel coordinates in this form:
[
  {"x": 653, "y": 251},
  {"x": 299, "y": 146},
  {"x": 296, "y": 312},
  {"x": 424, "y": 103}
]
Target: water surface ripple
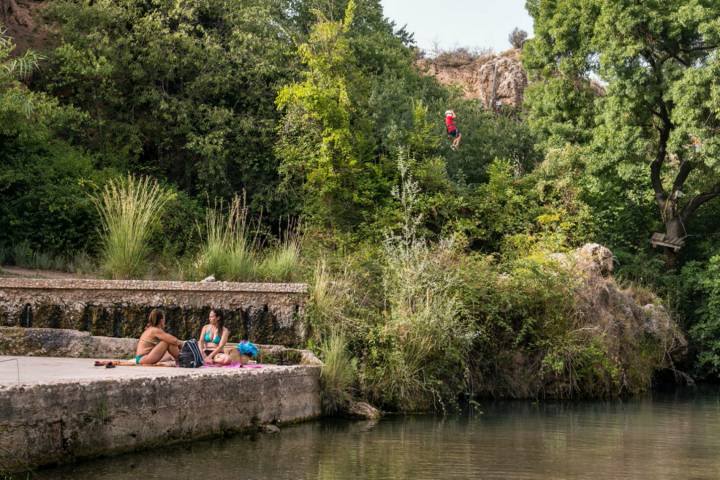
[{"x": 665, "y": 437}]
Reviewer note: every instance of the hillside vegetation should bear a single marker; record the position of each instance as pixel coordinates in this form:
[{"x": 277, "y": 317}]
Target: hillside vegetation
[{"x": 303, "y": 140}]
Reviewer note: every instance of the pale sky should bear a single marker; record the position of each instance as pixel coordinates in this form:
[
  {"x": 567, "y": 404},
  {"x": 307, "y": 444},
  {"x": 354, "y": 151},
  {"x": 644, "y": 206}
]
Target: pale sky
[{"x": 460, "y": 23}]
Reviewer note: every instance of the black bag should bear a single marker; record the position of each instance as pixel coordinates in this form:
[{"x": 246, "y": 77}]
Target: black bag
[{"x": 190, "y": 355}]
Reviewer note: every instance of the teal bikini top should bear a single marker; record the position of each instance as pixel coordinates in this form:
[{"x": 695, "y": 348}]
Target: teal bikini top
[{"x": 209, "y": 339}]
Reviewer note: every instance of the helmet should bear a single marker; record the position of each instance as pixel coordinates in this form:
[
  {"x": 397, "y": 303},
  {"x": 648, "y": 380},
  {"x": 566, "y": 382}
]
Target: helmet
[{"x": 449, "y": 112}]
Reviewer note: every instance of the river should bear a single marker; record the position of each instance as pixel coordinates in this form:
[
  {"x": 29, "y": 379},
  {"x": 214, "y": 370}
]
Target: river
[{"x": 669, "y": 436}]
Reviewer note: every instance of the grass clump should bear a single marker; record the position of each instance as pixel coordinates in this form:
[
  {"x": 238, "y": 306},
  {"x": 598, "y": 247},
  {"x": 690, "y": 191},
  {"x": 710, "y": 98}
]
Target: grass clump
[
  {"x": 228, "y": 250},
  {"x": 130, "y": 209},
  {"x": 283, "y": 261},
  {"x": 338, "y": 374}
]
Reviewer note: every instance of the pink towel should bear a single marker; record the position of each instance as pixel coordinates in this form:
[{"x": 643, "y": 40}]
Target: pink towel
[{"x": 233, "y": 365}]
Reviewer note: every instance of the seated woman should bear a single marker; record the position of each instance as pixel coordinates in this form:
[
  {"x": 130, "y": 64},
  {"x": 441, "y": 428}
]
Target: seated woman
[
  {"x": 213, "y": 338},
  {"x": 155, "y": 345}
]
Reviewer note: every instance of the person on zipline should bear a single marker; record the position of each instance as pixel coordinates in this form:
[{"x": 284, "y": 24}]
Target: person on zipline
[{"x": 452, "y": 129}]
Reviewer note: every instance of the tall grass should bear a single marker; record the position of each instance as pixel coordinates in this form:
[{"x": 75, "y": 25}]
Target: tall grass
[
  {"x": 425, "y": 332},
  {"x": 338, "y": 373},
  {"x": 283, "y": 261},
  {"x": 229, "y": 249},
  {"x": 23, "y": 255},
  {"x": 130, "y": 210}
]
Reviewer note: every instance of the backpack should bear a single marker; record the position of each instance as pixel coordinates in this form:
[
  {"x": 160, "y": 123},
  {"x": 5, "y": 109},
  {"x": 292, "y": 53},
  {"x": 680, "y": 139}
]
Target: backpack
[{"x": 190, "y": 355}]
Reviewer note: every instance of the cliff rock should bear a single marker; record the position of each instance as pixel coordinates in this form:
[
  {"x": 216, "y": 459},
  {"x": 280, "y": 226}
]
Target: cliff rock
[{"x": 479, "y": 75}]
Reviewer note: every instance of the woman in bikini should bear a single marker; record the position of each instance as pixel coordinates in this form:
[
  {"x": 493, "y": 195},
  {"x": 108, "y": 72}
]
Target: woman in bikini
[
  {"x": 213, "y": 338},
  {"x": 155, "y": 345}
]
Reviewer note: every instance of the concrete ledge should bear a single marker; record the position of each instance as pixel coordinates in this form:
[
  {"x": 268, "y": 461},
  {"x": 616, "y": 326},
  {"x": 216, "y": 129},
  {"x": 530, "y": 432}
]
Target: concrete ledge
[
  {"x": 56, "y": 342},
  {"x": 152, "y": 285},
  {"x": 262, "y": 312},
  {"x": 66, "y": 409}
]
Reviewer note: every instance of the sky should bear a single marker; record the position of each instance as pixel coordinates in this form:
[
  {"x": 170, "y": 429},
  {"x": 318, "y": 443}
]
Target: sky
[{"x": 476, "y": 24}]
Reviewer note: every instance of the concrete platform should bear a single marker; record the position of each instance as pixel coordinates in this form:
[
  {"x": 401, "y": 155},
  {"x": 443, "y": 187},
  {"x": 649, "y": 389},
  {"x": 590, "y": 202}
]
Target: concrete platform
[
  {"x": 49, "y": 370},
  {"x": 63, "y": 409}
]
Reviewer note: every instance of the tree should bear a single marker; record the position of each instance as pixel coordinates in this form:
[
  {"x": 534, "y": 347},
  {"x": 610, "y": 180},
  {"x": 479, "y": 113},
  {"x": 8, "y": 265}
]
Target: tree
[
  {"x": 181, "y": 90},
  {"x": 660, "y": 108},
  {"x": 517, "y": 37},
  {"x": 14, "y": 69}
]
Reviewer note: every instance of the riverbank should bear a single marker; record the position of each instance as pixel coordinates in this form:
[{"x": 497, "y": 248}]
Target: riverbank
[{"x": 58, "y": 410}]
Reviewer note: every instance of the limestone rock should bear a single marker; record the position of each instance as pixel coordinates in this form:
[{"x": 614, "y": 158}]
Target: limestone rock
[
  {"x": 362, "y": 410},
  {"x": 475, "y": 75},
  {"x": 595, "y": 258},
  {"x": 269, "y": 428}
]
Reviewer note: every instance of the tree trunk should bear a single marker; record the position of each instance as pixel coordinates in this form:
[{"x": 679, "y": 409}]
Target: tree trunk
[{"x": 674, "y": 229}]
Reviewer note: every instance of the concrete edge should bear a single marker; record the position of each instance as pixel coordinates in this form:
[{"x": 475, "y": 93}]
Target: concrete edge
[{"x": 153, "y": 285}]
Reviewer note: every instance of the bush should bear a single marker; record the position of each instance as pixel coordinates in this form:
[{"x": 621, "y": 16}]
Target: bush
[
  {"x": 130, "y": 209},
  {"x": 705, "y": 333},
  {"x": 517, "y": 37}
]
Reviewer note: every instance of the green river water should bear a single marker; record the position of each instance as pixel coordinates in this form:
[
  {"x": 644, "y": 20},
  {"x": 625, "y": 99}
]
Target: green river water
[{"x": 671, "y": 436}]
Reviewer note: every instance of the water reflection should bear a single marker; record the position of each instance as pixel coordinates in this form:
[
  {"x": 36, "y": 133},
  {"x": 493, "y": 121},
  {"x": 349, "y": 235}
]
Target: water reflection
[{"x": 662, "y": 438}]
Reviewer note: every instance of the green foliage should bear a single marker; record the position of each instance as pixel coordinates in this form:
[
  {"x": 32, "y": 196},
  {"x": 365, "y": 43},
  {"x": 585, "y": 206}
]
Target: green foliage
[
  {"x": 658, "y": 61},
  {"x": 130, "y": 209},
  {"x": 705, "y": 333},
  {"x": 44, "y": 181},
  {"x": 183, "y": 91},
  {"x": 327, "y": 158}
]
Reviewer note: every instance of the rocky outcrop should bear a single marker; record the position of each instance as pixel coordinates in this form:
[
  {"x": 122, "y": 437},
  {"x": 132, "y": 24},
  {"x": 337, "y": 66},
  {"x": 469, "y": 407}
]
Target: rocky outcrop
[
  {"x": 630, "y": 323},
  {"x": 499, "y": 77},
  {"x": 19, "y": 18}
]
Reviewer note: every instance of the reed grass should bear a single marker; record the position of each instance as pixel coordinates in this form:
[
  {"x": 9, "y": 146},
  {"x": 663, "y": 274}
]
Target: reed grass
[
  {"x": 338, "y": 373},
  {"x": 283, "y": 261},
  {"x": 228, "y": 251},
  {"x": 130, "y": 210}
]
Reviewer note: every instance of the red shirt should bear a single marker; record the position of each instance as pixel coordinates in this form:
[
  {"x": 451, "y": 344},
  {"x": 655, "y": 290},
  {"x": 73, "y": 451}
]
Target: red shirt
[{"x": 450, "y": 123}]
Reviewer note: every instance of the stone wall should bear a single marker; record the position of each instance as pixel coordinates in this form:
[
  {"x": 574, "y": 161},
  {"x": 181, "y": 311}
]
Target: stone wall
[
  {"x": 57, "y": 342},
  {"x": 262, "y": 312},
  {"x": 53, "y": 423}
]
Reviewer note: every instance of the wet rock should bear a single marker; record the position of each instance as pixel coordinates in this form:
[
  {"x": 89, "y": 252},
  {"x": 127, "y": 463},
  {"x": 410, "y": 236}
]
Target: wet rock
[
  {"x": 362, "y": 410},
  {"x": 269, "y": 428}
]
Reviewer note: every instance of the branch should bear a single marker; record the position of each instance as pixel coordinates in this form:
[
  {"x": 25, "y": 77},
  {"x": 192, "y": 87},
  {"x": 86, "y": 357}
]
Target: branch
[
  {"x": 698, "y": 200},
  {"x": 656, "y": 165},
  {"x": 685, "y": 169}
]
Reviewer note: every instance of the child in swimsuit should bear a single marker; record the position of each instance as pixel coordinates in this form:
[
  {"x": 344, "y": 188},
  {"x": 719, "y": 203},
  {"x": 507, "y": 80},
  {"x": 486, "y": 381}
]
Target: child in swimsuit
[{"x": 213, "y": 338}]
